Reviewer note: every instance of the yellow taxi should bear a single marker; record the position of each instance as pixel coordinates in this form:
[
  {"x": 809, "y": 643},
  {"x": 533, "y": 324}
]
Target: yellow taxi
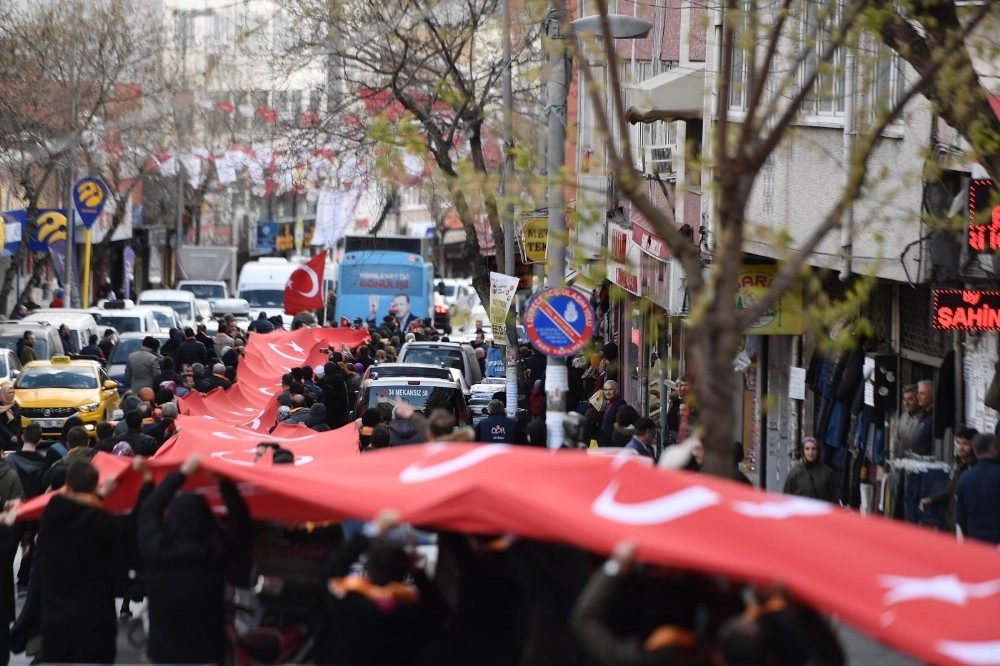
[{"x": 49, "y": 392}]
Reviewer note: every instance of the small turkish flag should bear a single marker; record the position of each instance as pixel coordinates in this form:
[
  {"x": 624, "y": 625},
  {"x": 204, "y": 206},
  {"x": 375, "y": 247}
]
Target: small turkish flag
[{"x": 304, "y": 290}]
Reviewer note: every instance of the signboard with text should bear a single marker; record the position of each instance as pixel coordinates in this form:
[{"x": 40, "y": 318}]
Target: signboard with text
[
  {"x": 966, "y": 310},
  {"x": 984, "y": 217},
  {"x": 535, "y": 239},
  {"x": 785, "y": 318}
]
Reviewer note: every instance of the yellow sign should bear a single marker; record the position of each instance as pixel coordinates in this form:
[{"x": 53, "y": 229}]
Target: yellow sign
[
  {"x": 89, "y": 193},
  {"x": 285, "y": 242},
  {"x": 535, "y": 239},
  {"x": 785, "y": 318}
]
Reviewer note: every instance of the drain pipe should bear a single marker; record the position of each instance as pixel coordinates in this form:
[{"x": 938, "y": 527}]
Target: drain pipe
[{"x": 847, "y": 224}]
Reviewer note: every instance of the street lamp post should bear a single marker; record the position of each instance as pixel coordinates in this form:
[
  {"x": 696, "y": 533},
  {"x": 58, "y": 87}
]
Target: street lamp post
[
  {"x": 622, "y": 27},
  {"x": 183, "y": 25}
]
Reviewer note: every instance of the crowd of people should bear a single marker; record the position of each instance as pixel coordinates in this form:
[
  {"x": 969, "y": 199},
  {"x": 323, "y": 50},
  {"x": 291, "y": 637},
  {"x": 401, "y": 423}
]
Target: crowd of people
[{"x": 491, "y": 599}]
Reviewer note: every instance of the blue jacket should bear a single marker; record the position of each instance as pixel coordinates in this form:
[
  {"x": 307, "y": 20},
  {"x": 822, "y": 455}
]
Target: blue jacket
[
  {"x": 496, "y": 429},
  {"x": 640, "y": 448},
  {"x": 978, "y": 501}
]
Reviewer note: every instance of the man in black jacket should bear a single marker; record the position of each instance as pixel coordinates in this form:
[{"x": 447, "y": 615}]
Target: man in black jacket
[
  {"x": 141, "y": 443},
  {"x": 186, "y": 554},
  {"x": 76, "y": 540},
  {"x": 191, "y": 351},
  {"x": 366, "y": 610}
]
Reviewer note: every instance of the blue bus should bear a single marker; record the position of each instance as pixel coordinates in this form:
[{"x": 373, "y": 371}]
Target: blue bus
[{"x": 373, "y": 281}]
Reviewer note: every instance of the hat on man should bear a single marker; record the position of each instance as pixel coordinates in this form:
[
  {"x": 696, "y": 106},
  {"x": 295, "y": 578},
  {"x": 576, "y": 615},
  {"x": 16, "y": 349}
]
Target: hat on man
[
  {"x": 644, "y": 424},
  {"x": 319, "y": 370}
]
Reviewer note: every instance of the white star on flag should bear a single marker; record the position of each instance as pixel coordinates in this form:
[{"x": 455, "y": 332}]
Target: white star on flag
[
  {"x": 949, "y": 589},
  {"x": 294, "y": 346}
]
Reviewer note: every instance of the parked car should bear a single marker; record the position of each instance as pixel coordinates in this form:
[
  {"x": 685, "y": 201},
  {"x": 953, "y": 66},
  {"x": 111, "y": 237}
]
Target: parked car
[
  {"x": 183, "y": 303},
  {"x": 421, "y": 393},
  {"x": 384, "y": 370},
  {"x": 10, "y": 366},
  {"x": 166, "y": 317},
  {"x": 81, "y": 324},
  {"x": 445, "y": 355},
  {"x": 210, "y": 290},
  {"x": 49, "y": 392},
  {"x": 47, "y": 342},
  {"x": 136, "y": 319},
  {"x": 128, "y": 343}
]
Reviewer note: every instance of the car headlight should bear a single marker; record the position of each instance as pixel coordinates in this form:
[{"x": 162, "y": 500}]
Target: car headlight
[{"x": 92, "y": 407}]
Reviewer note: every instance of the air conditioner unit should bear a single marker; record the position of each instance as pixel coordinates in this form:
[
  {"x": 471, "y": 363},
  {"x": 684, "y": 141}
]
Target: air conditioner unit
[{"x": 660, "y": 161}]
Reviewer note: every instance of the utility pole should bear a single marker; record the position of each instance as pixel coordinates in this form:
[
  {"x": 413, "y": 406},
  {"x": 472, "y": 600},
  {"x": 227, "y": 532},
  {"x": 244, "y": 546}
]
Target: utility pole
[
  {"x": 507, "y": 208},
  {"x": 556, "y": 377},
  {"x": 182, "y": 26}
]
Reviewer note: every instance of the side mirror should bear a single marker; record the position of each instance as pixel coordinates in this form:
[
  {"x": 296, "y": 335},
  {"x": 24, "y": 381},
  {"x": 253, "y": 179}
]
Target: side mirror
[
  {"x": 110, "y": 385},
  {"x": 14, "y": 374}
]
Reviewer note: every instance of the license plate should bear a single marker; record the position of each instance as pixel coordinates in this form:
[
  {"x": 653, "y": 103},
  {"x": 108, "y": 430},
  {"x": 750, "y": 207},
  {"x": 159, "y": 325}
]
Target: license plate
[{"x": 50, "y": 423}]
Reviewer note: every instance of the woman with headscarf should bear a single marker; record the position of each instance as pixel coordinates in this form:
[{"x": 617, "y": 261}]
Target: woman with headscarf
[
  {"x": 810, "y": 477},
  {"x": 187, "y": 555}
]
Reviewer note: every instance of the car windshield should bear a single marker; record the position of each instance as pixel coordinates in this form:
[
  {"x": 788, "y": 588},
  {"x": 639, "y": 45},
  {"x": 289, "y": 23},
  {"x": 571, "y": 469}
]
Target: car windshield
[
  {"x": 125, "y": 347},
  {"x": 164, "y": 320},
  {"x": 12, "y": 342},
  {"x": 264, "y": 298},
  {"x": 210, "y": 292},
  {"x": 122, "y": 323},
  {"x": 446, "y": 358},
  {"x": 180, "y": 307},
  {"x": 58, "y": 376},
  {"x": 419, "y": 397}
]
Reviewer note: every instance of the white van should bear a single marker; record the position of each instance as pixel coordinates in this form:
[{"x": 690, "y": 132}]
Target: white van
[
  {"x": 262, "y": 284},
  {"x": 183, "y": 303},
  {"x": 129, "y": 320},
  {"x": 210, "y": 290},
  {"x": 81, "y": 324}
]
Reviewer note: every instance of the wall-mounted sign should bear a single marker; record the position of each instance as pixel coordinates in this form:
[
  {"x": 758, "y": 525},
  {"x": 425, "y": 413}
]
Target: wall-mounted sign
[
  {"x": 648, "y": 241},
  {"x": 535, "y": 238},
  {"x": 963, "y": 309},
  {"x": 785, "y": 318},
  {"x": 984, "y": 218}
]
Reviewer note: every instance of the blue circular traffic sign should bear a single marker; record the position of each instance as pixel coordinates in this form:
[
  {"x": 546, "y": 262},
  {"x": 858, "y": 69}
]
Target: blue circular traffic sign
[{"x": 559, "y": 322}]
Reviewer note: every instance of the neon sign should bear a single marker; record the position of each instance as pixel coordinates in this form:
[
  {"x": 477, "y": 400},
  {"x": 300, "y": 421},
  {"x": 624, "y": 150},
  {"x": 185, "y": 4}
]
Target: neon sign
[
  {"x": 984, "y": 220},
  {"x": 966, "y": 310}
]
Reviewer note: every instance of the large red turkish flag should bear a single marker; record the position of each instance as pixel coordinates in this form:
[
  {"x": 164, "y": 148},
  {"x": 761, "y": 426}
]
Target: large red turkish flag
[{"x": 304, "y": 291}]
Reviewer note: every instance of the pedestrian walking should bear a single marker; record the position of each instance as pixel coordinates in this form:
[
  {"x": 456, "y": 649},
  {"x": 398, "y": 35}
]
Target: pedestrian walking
[
  {"x": 186, "y": 553},
  {"x": 978, "y": 492},
  {"x": 76, "y": 540},
  {"x": 810, "y": 477}
]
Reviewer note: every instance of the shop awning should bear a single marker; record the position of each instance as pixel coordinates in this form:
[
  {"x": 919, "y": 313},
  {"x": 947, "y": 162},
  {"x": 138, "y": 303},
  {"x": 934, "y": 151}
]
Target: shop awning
[{"x": 677, "y": 94}]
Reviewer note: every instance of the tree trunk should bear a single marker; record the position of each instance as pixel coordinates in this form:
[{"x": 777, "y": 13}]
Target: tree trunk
[{"x": 716, "y": 334}]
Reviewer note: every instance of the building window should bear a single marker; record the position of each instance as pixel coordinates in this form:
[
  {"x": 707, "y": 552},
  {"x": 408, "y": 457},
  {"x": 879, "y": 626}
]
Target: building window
[
  {"x": 889, "y": 84},
  {"x": 820, "y": 21},
  {"x": 742, "y": 59},
  {"x": 183, "y": 31},
  {"x": 295, "y": 107}
]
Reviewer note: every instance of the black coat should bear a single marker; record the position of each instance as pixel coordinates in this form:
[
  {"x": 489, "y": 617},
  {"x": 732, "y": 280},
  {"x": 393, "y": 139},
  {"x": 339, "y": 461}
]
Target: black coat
[
  {"x": 364, "y": 633},
  {"x": 191, "y": 351},
  {"x": 213, "y": 381},
  {"x": 186, "y": 555},
  {"x": 76, "y": 540},
  {"x": 335, "y": 398}
]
